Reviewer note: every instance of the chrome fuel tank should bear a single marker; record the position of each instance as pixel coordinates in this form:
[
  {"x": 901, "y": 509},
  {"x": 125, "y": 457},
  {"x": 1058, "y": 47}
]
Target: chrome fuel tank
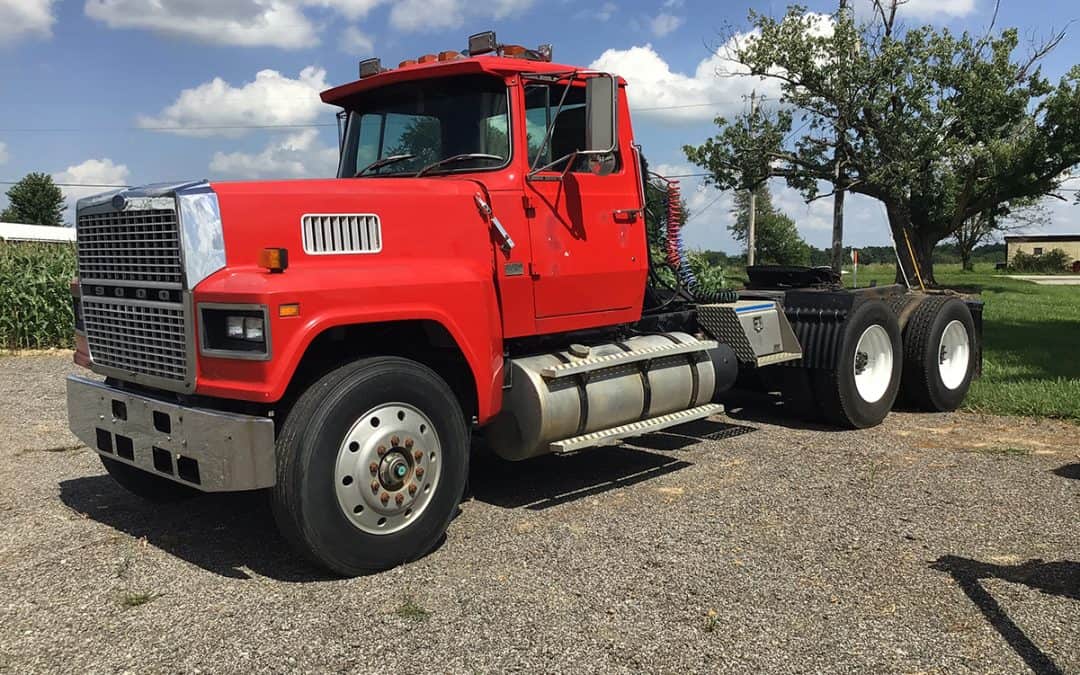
[{"x": 563, "y": 394}]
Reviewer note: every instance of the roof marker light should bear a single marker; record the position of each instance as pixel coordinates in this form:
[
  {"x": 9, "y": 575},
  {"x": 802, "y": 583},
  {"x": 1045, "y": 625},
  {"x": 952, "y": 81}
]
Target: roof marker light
[
  {"x": 427, "y": 58},
  {"x": 482, "y": 43},
  {"x": 369, "y": 67}
]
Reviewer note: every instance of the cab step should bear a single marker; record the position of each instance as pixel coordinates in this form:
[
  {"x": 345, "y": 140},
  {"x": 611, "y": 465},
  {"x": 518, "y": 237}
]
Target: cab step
[{"x": 614, "y": 434}]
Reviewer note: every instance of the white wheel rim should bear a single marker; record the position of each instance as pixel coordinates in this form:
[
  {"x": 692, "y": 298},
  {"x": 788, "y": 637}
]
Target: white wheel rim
[
  {"x": 954, "y": 355},
  {"x": 873, "y": 363},
  {"x": 387, "y": 468}
]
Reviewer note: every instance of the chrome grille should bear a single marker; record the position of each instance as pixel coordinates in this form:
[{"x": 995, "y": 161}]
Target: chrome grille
[
  {"x": 130, "y": 246},
  {"x": 144, "y": 338},
  {"x": 127, "y": 257}
]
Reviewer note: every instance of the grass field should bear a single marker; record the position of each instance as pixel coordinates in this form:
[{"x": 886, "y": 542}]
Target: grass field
[{"x": 1031, "y": 359}]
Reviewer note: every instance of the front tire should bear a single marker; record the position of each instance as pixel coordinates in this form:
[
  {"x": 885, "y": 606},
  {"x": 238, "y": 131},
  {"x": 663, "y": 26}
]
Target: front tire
[{"x": 371, "y": 465}]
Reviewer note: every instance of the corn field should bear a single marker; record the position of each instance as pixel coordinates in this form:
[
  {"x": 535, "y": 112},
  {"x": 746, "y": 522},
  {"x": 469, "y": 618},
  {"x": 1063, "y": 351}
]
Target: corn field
[{"x": 35, "y": 295}]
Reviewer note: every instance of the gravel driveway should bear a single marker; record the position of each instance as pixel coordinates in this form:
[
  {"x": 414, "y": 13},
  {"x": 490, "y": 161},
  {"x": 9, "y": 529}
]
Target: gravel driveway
[{"x": 930, "y": 544}]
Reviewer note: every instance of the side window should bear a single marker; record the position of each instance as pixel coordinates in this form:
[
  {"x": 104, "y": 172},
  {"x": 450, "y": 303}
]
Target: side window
[
  {"x": 568, "y": 134},
  {"x": 1038, "y": 250}
]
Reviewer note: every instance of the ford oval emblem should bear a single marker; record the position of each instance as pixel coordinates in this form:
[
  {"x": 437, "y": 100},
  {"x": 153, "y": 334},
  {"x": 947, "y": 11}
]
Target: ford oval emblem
[{"x": 119, "y": 201}]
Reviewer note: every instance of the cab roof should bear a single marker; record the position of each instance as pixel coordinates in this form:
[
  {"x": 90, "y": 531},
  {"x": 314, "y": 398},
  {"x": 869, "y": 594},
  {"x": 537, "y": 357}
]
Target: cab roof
[{"x": 500, "y": 66}]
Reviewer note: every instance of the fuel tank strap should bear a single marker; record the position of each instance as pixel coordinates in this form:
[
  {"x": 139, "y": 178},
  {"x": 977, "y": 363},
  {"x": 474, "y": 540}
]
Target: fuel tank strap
[{"x": 610, "y": 360}]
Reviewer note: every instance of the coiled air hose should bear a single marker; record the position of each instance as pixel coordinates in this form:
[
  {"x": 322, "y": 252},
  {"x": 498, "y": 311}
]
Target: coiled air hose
[{"x": 675, "y": 252}]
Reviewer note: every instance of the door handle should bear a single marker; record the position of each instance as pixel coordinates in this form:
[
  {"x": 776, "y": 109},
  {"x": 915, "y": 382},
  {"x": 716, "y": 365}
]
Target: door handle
[
  {"x": 625, "y": 215},
  {"x": 507, "y": 242}
]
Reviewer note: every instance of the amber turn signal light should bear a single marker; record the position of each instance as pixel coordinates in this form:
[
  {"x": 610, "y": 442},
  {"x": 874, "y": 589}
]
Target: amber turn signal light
[
  {"x": 289, "y": 310},
  {"x": 274, "y": 259}
]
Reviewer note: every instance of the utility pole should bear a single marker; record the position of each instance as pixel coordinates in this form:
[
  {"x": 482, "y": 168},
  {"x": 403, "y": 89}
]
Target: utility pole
[
  {"x": 750, "y": 243},
  {"x": 838, "y": 183}
]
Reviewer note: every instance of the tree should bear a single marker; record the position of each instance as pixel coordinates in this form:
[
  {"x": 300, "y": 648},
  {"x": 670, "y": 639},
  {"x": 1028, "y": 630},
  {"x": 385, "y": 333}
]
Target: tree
[
  {"x": 777, "y": 240},
  {"x": 35, "y": 200},
  {"x": 980, "y": 229},
  {"x": 938, "y": 127}
]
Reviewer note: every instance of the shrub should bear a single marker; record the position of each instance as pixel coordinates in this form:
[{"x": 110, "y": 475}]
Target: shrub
[
  {"x": 1051, "y": 262},
  {"x": 35, "y": 295}
]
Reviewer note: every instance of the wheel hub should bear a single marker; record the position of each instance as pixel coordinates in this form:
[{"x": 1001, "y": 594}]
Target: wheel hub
[
  {"x": 954, "y": 354},
  {"x": 387, "y": 468},
  {"x": 873, "y": 363}
]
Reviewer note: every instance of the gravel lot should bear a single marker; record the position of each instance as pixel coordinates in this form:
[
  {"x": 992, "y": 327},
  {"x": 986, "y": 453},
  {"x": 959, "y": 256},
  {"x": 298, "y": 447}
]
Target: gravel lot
[{"x": 930, "y": 544}]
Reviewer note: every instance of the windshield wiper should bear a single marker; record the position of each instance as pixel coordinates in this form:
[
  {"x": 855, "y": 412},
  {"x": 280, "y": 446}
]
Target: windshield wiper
[
  {"x": 456, "y": 158},
  {"x": 380, "y": 163}
]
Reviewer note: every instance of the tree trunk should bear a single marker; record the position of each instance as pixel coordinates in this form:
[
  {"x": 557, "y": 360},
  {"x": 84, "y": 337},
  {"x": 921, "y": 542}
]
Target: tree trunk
[
  {"x": 912, "y": 241},
  {"x": 965, "y": 260}
]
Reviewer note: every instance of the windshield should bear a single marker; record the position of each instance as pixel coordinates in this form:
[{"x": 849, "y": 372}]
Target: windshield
[{"x": 431, "y": 120}]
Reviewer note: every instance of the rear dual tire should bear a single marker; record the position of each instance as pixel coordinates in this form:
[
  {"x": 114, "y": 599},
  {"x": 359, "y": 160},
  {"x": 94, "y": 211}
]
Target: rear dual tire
[
  {"x": 862, "y": 387},
  {"x": 939, "y": 355}
]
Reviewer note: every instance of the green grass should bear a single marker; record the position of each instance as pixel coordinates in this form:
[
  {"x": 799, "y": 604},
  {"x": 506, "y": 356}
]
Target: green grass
[
  {"x": 412, "y": 611},
  {"x": 1031, "y": 335}
]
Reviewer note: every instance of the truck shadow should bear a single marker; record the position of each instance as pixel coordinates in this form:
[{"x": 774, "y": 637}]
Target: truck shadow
[
  {"x": 548, "y": 481},
  {"x": 234, "y": 534},
  {"x": 1060, "y": 578},
  {"x": 227, "y": 534}
]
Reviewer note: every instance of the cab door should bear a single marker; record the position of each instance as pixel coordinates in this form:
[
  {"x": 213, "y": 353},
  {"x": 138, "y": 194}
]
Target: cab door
[{"x": 586, "y": 226}]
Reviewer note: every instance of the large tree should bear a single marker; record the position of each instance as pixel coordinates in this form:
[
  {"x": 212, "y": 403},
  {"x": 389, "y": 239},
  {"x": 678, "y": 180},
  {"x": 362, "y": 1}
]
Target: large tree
[
  {"x": 939, "y": 127},
  {"x": 1023, "y": 214},
  {"x": 35, "y": 200},
  {"x": 776, "y": 239}
]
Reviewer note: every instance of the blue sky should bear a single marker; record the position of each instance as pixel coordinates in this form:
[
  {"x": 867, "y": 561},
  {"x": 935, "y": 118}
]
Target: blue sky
[{"x": 89, "y": 89}]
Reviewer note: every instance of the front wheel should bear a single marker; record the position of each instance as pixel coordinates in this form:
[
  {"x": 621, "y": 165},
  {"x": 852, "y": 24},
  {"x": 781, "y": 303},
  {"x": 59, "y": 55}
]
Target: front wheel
[{"x": 371, "y": 464}]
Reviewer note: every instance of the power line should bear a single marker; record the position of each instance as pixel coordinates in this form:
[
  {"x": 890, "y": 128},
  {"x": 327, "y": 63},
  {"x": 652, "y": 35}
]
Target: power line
[{"x": 77, "y": 185}]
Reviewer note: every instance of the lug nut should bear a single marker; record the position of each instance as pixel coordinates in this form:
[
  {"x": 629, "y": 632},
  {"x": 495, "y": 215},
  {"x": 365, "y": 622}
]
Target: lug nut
[
  {"x": 399, "y": 498},
  {"x": 395, "y": 441},
  {"x": 419, "y": 471},
  {"x": 381, "y": 450},
  {"x": 412, "y": 489},
  {"x": 373, "y": 468},
  {"x": 409, "y": 443},
  {"x": 418, "y": 455},
  {"x": 374, "y": 486},
  {"x": 384, "y": 498}
]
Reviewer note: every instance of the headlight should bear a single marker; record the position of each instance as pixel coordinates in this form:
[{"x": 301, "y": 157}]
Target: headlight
[{"x": 234, "y": 331}]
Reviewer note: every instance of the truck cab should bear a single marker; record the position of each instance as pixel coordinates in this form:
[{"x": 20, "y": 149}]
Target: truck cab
[{"x": 477, "y": 271}]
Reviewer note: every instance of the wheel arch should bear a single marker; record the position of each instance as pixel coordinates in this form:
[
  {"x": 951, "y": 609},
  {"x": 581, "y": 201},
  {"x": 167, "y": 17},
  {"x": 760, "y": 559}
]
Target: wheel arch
[{"x": 425, "y": 340}]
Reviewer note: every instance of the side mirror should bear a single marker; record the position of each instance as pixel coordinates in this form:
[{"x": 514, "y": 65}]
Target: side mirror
[{"x": 600, "y": 113}]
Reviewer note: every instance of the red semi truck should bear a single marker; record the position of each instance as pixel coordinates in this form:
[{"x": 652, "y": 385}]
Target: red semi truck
[{"x": 478, "y": 270}]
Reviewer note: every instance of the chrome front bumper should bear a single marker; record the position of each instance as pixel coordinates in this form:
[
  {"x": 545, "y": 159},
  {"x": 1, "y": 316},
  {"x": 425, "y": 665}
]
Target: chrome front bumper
[{"x": 206, "y": 449}]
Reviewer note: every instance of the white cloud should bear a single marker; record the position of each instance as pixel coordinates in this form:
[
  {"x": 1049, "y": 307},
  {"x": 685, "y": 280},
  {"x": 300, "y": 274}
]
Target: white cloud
[
  {"x": 4, "y": 154},
  {"x": 297, "y": 155},
  {"x": 928, "y": 9},
  {"x": 432, "y": 15},
  {"x": 717, "y": 85},
  {"x": 663, "y": 24},
  {"x": 357, "y": 42},
  {"x": 22, "y": 18},
  {"x": 350, "y": 9},
  {"x": 91, "y": 172},
  {"x": 270, "y": 99},
  {"x": 246, "y": 23}
]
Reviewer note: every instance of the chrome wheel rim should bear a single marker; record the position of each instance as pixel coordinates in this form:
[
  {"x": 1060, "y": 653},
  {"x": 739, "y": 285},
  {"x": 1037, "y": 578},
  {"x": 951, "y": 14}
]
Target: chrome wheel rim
[
  {"x": 873, "y": 363},
  {"x": 954, "y": 354},
  {"x": 387, "y": 468}
]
